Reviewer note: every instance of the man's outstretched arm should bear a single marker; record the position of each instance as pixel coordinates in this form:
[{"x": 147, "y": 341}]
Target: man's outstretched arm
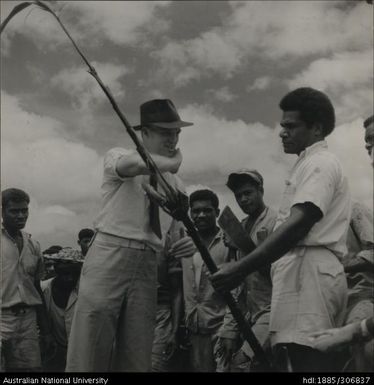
[{"x": 284, "y": 238}]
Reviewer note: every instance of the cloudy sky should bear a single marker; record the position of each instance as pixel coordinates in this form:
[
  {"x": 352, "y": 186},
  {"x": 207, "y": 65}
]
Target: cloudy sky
[{"x": 224, "y": 64}]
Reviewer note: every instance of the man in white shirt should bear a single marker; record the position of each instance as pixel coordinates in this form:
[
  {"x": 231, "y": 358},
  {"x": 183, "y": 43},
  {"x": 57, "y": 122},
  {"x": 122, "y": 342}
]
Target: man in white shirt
[
  {"x": 309, "y": 240},
  {"x": 114, "y": 321}
]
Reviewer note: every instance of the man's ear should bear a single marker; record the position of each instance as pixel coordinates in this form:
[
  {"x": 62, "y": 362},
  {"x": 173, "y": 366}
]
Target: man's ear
[
  {"x": 318, "y": 129},
  {"x": 217, "y": 212}
]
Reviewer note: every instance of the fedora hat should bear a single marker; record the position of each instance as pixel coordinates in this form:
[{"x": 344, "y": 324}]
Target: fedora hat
[{"x": 160, "y": 113}]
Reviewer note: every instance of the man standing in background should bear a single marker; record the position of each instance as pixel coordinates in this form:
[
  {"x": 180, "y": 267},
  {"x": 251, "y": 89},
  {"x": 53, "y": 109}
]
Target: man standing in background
[
  {"x": 248, "y": 188},
  {"x": 204, "y": 307},
  {"x": 84, "y": 239},
  {"x": 22, "y": 306}
]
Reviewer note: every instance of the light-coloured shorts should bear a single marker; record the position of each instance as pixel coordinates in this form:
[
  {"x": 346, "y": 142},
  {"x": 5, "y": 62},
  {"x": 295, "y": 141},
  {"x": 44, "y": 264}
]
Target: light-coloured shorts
[{"x": 309, "y": 294}]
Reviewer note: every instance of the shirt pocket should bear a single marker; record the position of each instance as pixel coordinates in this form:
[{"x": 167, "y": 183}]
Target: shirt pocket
[
  {"x": 333, "y": 289},
  {"x": 330, "y": 268},
  {"x": 262, "y": 234}
]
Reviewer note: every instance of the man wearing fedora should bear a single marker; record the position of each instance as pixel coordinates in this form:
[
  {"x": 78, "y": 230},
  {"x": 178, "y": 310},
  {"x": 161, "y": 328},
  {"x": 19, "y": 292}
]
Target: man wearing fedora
[{"x": 114, "y": 321}]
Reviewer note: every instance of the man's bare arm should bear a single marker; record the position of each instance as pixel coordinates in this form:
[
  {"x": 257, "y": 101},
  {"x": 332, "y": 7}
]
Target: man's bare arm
[
  {"x": 284, "y": 238},
  {"x": 132, "y": 164}
]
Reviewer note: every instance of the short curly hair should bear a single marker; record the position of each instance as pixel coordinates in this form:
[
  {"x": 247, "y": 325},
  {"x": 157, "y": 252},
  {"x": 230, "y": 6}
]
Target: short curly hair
[
  {"x": 369, "y": 121},
  {"x": 85, "y": 233},
  {"x": 14, "y": 195},
  {"x": 314, "y": 107},
  {"x": 204, "y": 195}
]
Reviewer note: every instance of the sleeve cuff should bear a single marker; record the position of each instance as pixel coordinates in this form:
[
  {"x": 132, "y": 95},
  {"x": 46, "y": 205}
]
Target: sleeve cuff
[{"x": 367, "y": 255}]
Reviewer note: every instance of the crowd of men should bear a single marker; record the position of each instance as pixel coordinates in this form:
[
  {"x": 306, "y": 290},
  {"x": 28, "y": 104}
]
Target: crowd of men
[{"x": 138, "y": 297}]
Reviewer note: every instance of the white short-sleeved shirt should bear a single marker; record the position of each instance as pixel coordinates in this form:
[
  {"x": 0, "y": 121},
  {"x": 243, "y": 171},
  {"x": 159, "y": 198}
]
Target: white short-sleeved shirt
[
  {"x": 125, "y": 208},
  {"x": 309, "y": 284},
  {"x": 317, "y": 178}
]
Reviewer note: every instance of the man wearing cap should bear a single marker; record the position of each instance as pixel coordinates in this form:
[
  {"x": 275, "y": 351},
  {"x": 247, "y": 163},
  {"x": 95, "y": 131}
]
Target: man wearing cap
[
  {"x": 117, "y": 295},
  {"x": 60, "y": 295},
  {"x": 248, "y": 188},
  {"x": 309, "y": 240}
]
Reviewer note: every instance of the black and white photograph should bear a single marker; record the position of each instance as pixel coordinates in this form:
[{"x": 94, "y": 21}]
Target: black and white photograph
[{"x": 187, "y": 187}]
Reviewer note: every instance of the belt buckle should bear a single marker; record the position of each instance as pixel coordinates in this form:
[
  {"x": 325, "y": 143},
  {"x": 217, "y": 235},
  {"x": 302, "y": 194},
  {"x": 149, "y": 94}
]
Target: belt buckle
[{"x": 137, "y": 245}]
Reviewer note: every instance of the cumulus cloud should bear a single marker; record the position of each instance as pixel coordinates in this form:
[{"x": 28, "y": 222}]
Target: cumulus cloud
[
  {"x": 35, "y": 24},
  {"x": 55, "y": 225},
  {"x": 347, "y": 77},
  {"x": 342, "y": 70},
  {"x": 347, "y": 142},
  {"x": 261, "y": 83},
  {"x": 84, "y": 90},
  {"x": 36, "y": 158},
  {"x": 298, "y": 28},
  {"x": 19, "y": 126},
  {"x": 222, "y": 94},
  {"x": 121, "y": 22},
  {"x": 212, "y": 52},
  {"x": 270, "y": 30}
]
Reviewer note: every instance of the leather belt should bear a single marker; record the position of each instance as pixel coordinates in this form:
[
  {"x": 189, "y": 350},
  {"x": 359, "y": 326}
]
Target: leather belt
[
  {"x": 20, "y": 308},
  {"x": 122, "y": 242}
]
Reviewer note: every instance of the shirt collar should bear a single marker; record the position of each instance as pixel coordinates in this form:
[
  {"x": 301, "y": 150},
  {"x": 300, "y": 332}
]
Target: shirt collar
[
  {"x": 218, "y": 237},
  {"x": 25, "y": 235},
  {"x": 258, "y": 219},
  {"x": 263, "y": 214},
  {"x": 315, "y": 147}
]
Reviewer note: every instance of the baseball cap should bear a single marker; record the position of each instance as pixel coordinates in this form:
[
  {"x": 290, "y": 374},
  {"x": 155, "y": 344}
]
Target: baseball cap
[{"x": 243, "y": 175}]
